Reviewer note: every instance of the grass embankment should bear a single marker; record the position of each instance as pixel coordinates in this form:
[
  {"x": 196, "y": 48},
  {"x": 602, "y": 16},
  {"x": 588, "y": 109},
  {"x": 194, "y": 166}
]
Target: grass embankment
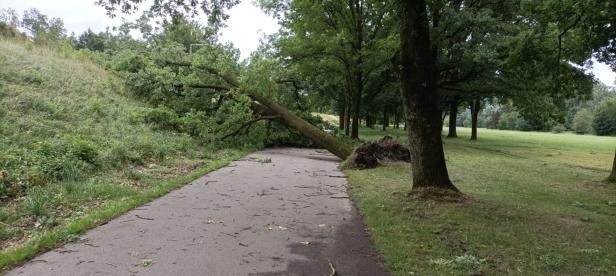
[
  {"x": 538, "y": 207},
  {"x": 75, "y": 151}
]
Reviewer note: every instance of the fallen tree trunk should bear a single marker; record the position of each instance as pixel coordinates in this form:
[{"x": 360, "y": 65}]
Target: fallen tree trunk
[
  {"x": 268, "y": 107},
  {"x": 317, "y": 136}
]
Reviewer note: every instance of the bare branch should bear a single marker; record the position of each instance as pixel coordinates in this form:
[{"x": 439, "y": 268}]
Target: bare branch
[
  {"x": 296, "y": 91},
  {"x": 228, "y": 79},
  {"x": 248, "y": 124}
]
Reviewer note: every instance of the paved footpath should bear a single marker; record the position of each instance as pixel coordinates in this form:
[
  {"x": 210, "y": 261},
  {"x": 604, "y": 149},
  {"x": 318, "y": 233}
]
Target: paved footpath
[{"x": 291, "y": 216}]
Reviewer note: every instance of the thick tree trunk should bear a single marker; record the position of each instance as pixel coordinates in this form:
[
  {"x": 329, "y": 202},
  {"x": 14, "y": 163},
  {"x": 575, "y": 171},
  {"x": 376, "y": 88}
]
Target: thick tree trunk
[
  {"x": 340, "y": 116},
  {"x": 385, "y": 119},
  {"x": 421, "y": 100},
  {"x": 397, "y": 120},
  {"x": 356, "y": 70},
  {"x": 355, "y": 106},
  {"x": 453, "y": 118},
  {"x": 475, "y": 107},
  {"x": 347, "y": 120},
  {"x": 612, "y": 177}
]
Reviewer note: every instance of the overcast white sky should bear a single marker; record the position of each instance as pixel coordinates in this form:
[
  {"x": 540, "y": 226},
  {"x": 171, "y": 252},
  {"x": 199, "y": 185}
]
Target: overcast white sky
[{"x": 246, "y": 25}]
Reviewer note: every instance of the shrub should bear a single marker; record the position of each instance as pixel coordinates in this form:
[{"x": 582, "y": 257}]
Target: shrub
[
  {"x": 56, "y": 161},
  {"x": 193, "y": 123},
  {"x": 162, "y": 117},
  {"x": 604, "y": 122},
  {"x": 36, "y": 203},
  {"x": 509, "y": 121},
  {"x": 559, "y": 128},
  {"x": 84, "y": 150},
  {"x": 582, "y": 121}
]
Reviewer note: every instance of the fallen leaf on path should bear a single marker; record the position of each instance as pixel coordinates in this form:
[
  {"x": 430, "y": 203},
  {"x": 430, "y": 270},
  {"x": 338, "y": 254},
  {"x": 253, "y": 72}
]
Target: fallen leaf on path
[
  {"x": 276, "y": 227},
  {"x": 147, "y": 262}
]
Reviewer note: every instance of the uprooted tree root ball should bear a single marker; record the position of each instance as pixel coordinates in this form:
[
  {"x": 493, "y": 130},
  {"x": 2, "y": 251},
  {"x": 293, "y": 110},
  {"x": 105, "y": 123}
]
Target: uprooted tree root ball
[{"x": 372, "y": 154}]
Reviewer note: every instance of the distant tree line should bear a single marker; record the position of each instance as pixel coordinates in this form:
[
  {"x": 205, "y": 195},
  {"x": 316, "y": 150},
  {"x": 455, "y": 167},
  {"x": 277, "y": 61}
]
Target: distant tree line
[{"x": 593, "y": 115}]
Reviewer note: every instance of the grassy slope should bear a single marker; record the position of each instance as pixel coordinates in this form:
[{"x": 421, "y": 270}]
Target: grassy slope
[
  {"x": 539, "y": 207},
  {"x": 74, "y": 151}
]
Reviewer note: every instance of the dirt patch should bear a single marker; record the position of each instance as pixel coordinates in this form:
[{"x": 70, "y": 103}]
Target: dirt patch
[{"x": 373, "y": 154}]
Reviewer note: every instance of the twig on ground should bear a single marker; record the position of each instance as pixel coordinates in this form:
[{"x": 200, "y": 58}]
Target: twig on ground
[
  {"x": 138, "y": 216},
  {"x": 333, "y": 270}
]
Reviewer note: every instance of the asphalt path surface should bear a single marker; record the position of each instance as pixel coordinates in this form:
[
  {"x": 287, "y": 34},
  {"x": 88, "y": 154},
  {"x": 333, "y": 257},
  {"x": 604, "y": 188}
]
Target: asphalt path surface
[{"x": 288, "y": 216}]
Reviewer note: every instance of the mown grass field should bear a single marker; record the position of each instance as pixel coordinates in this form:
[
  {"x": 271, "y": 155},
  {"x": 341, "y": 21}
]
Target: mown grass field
[
  {"x": 538, "y": 206},
  {"x": 75, "y": 150}
]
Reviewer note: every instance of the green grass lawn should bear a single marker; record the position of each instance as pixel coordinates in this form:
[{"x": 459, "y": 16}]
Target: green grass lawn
[{"x": 538, "y": 207}]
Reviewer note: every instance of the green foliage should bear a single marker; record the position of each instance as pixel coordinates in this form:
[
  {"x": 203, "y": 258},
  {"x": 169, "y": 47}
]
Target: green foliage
[
  {"x": 604, "y": 122},
  {"x": 85, "y": 150},
  {"x": 64, "y": 118},
  {"x": 582, "y": 122},
  {"x": 513, "y": 121},
  {"x": 559, "y": 128},
  {"x": 162, "y": 117},
  {"x": 91, "y": 41},
  {"x": 43, "y": 30},
  {"x": 36, "y": 203}
]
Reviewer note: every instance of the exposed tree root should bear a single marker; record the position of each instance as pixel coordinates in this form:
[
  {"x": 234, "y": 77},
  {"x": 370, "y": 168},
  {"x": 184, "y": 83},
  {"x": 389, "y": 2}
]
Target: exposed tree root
[{"x": 373, "y": 154}]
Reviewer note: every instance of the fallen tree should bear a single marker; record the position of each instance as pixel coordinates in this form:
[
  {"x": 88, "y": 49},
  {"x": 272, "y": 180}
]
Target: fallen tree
[{"x": 267, "y": 109}]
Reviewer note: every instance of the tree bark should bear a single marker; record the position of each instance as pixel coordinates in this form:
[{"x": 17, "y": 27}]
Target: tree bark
[
  {"x": 453, "y": 118},
  {"x": 385, "y": 119},
  {"x": 319, "y": 137},
  {"x": 421, "y": 100},
  {"x": 397, "y": 120},
  {"x": 475, "y": 107},
  {"x": 368, "y": 120},
  {"x": 340, "y": 115},
  {"x": 612, "y": 177},
  {"x": 357, "y": 9},
  {"x": 355, "y": 105},
  {"x": 346, "y": 120}
]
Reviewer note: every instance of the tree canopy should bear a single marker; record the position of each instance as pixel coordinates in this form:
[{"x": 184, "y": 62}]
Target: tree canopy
[{"x": 350, "y": 58}]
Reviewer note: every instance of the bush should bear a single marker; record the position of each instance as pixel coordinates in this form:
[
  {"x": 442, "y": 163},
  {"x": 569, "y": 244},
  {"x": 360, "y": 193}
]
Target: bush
[
  {"x": 84, "y": 150},
  {"x": 512, "y": 121},
  {"x": 559, "y": 128},
  {"x": 582, "y": 121},
  {"x": 162, "y": 117},
  {"x": 193, "y": 123},
  {"x": 604, "y": 122}
]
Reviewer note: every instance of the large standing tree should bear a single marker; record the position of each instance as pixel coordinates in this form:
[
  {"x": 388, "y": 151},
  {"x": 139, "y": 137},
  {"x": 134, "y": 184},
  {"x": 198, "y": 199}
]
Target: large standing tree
[
  {"x": 341, "y": 37},
  {"x": 612, "y": 177},
  {"x": 419, "y": 88}
]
